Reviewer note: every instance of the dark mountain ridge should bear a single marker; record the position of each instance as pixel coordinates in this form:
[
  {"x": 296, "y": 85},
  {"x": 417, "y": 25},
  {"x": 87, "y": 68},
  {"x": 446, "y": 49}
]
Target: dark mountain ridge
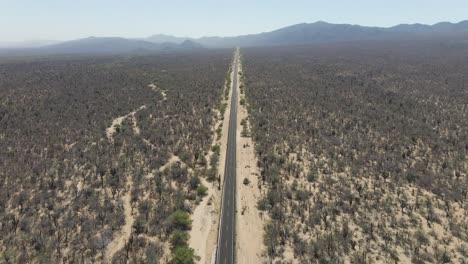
[{"x": 322, "y": 32}]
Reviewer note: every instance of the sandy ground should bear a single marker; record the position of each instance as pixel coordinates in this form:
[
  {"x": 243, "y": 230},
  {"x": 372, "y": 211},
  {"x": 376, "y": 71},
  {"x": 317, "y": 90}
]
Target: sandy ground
[
  {"x": 204, "y": 233},
  {"x": 110, "y": 131},
  {"x": 156, "y": 89},
  {"x": 124, "y": 234},
  {"x": 136, "y": 129},
  {"x": 249, "y": 222},
  {"x": 205, "y": 223},
  {"x": 172, "y": 159}
]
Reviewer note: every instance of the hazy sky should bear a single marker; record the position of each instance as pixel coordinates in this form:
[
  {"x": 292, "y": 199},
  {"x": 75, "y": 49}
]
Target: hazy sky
[{"x": 69, "y": 19}]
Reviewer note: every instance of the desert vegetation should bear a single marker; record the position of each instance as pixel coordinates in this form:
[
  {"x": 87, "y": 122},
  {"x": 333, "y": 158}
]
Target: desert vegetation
[
  {"x": 101, "y": 157},
  {"x": 362, "y": 151}
]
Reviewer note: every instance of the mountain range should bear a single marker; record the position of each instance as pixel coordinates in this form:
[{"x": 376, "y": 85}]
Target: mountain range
[{"x": 305, "y": 33}]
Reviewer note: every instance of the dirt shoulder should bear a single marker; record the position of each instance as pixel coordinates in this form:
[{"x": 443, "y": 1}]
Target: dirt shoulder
[
  {"x": 250, "y": 221},
  {"x": 205, "y": 224}
]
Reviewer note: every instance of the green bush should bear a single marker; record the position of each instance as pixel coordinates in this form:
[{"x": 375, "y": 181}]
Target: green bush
[
  {"x": 194, "y": 182},
  {"x": 246, "y": 181},
  {"x": 263, "y": 204},
  {"x": 214, "y": 159},
  {"x": 179, "y": 238},
  {"x": 211, "y": 174},
  {"x": 245, "y": 130},
  {"x": 216, "y": 148},
  {"x": 222, "y": 108},
  {"x": 182, "y": 255},
  {"x": 202, "y": 190},
  {"x": 180, "y": 220}
]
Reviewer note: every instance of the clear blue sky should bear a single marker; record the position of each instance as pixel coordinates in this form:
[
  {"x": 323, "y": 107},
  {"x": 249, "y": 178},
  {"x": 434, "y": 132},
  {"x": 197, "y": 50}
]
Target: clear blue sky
[{"x": 69, "y": 19}]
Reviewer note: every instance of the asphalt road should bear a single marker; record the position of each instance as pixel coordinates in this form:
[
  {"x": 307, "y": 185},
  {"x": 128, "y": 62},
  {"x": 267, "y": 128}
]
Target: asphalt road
[{"x": 226, "y": 244}]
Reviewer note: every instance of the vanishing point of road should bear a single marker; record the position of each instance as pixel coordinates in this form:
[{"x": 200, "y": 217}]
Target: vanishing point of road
[{"x": 226, "y": 245}]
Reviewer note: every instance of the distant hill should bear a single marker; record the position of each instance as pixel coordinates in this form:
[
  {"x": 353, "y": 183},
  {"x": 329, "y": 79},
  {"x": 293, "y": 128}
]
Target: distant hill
[
  {"x": 162, "y": 38},
  {"x": 190, "y": 45},
  {"x": 102, "y": 45},
  {"x": 414, "y": 28}
]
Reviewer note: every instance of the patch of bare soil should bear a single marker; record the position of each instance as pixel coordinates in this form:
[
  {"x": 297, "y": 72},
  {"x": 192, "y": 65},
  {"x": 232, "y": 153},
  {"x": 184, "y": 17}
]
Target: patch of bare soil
[
  {"x": 172, "y": 159},
  {"x": 157, "y": 89},
  {"x": 117, "y": 122},
  {"x": 124, "y": 234},
  {"x": 136, "y": 129},
  {"x": 250, "y": 221},
  {"x": 204, "y": 223},
  {"x": 68, "y": 147}
]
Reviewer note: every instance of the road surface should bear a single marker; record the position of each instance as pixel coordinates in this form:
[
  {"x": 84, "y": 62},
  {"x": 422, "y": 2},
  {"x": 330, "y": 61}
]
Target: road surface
[{"x": 226, "y": 245}]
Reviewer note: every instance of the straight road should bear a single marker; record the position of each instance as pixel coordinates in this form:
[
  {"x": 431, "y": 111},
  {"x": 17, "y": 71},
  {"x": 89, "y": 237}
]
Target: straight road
[{"x": 226, "y": 245}]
